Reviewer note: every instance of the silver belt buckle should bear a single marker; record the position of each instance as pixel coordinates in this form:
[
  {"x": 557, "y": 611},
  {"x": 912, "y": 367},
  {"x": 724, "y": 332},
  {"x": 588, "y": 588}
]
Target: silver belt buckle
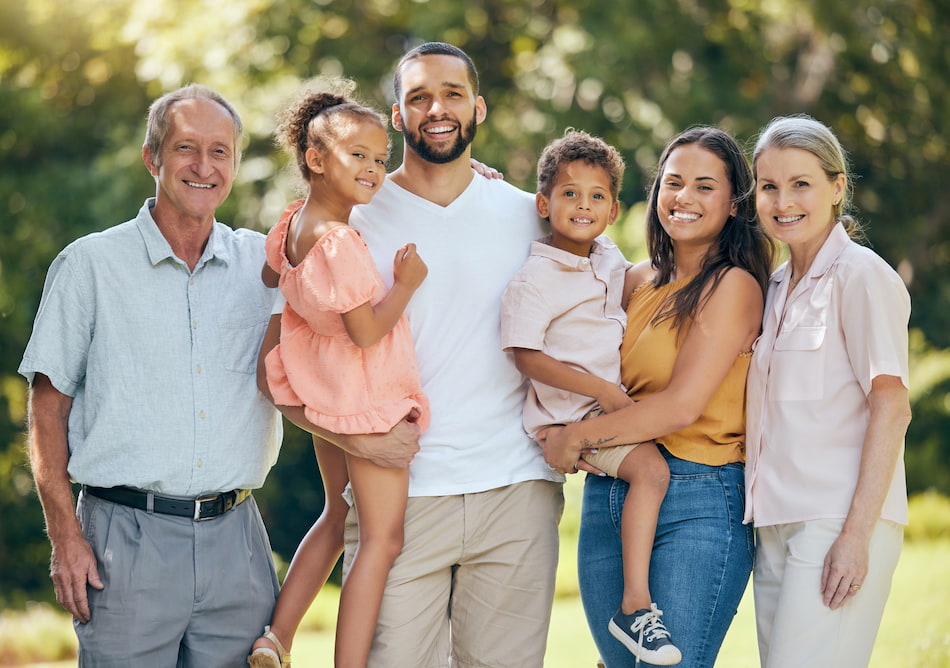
[{"x": 198, "y": 502}]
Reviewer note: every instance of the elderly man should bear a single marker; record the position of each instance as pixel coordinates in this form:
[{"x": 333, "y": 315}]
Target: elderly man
[{"x": 143, "y": 391}]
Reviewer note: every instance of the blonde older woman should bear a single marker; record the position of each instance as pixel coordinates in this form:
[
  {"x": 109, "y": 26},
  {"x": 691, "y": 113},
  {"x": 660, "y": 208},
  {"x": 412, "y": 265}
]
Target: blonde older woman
[{"x": 827, "y": 413}]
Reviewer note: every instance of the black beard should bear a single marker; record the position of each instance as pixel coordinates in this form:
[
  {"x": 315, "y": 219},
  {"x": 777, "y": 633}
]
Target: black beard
[{"x": 419, "y": 146}]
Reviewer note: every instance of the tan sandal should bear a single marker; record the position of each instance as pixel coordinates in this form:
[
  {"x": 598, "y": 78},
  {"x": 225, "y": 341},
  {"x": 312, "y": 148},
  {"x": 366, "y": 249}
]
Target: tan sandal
[{"x": 265, "y": 657}]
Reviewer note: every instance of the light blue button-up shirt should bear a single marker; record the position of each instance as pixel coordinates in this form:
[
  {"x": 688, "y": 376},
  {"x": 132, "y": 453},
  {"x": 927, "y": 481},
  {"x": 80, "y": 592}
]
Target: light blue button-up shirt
[{"x": 160, "y": 360}]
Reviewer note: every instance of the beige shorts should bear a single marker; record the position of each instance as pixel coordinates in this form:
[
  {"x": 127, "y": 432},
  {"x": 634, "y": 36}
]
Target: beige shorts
[
  {"x": 487, "y": 562},
  {"x": 607, "y": 459}
]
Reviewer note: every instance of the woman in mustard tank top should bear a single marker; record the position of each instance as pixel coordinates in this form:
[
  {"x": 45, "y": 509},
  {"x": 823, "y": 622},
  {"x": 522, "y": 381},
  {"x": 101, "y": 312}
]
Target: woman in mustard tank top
[{"x": 691, "y": 322}]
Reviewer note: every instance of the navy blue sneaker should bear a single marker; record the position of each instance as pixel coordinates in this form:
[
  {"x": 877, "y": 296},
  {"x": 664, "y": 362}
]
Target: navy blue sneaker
[{"x": 645, "y": 636}]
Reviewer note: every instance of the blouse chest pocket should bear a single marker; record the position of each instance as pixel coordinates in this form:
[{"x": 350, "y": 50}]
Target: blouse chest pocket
[{"x": 798, "y": 364}]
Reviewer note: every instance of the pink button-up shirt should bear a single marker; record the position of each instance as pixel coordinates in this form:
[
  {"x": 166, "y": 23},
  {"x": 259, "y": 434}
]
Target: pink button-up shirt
[
  {"x": 568, "y": 307},
  {"x": 843, "y": 325}
]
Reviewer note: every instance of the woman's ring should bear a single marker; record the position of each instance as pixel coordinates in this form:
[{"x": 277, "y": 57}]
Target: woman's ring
[{"x": 855, "y": 587}]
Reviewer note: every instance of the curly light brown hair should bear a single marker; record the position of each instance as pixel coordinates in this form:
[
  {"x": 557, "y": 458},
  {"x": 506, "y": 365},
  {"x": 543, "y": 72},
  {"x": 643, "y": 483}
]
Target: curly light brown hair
[{"x": 315, "y": 117}]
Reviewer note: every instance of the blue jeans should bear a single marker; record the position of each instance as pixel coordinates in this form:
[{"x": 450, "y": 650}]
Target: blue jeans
[{"x": 702, "y": 558}]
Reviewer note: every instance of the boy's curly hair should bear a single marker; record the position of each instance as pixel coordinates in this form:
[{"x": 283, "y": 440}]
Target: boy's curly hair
[{"x": 579, "y": 145}]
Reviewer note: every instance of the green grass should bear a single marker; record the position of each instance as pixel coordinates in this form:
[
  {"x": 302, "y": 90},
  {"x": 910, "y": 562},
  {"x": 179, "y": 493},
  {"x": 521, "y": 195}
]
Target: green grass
[
  {"x": 915, "y": 632},
  {"x": 40, "y": 633}
]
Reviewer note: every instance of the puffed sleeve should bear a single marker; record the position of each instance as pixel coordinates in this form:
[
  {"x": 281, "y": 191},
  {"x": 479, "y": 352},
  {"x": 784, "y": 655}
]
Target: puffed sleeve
[
  {"x": 875, "y": 313},
  {"x": 275, "y": 246},
  {"x": 525, "y": 315},
  {"x": 339, "y": 273}
]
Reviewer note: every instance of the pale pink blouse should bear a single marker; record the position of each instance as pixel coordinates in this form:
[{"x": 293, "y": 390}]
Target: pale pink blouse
[{"x": 843, "y": 325}]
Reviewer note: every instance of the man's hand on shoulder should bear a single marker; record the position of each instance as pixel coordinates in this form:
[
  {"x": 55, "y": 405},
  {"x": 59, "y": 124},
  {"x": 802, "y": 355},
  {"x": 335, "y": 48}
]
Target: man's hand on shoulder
[{"x": 484, "y": 170}]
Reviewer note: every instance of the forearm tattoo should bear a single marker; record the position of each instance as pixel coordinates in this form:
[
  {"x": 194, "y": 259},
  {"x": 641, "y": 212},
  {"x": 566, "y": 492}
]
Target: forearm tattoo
[{"x": 587, "y": 444}]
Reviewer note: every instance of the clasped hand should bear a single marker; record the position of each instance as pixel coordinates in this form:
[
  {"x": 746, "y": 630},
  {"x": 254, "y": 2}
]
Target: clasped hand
[{"x": 561, "y": 453}]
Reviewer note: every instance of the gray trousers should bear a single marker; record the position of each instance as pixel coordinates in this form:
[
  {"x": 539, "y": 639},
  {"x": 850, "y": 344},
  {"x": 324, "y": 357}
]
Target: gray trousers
[{"x": 177, "y": 592}]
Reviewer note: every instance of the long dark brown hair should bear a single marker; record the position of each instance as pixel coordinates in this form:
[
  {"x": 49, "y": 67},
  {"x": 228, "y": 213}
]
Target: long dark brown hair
[{"x": 741, "y": 242}]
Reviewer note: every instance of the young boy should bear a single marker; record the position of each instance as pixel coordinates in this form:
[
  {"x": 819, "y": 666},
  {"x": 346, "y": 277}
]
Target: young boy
[{"x": 563, "y": 319}]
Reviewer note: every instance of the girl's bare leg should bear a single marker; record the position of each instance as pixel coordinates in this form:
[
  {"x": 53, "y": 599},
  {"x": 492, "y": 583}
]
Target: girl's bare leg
[
  {"x": 380, "y": 498},
  {"x": 317, "y": 553}
]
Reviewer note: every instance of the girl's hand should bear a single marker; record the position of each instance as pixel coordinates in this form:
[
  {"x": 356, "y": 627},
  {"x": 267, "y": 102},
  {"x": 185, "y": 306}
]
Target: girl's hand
[
  {"x": 408, "y": 267},
  {"x": 846, "y": 566}
]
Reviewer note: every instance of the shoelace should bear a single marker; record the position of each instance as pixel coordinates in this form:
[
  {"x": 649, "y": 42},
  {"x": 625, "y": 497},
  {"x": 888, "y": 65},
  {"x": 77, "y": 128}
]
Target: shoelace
[{"x": 650, "y": 626}]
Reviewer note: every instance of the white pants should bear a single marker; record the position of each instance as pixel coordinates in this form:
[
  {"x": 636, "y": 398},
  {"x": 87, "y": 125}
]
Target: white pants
[{"x": 795, "y": 627}]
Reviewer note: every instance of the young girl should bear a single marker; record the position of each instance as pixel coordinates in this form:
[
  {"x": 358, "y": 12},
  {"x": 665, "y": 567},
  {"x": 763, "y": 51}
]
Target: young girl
[{"x": 346, "y": 355}]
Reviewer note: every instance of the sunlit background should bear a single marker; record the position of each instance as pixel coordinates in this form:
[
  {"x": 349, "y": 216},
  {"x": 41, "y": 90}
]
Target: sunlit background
[{"x": 76, "y": 79}]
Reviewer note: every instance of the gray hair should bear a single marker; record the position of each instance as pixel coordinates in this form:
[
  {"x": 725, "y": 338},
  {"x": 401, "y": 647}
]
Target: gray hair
[{"x": 158, "y": 118}]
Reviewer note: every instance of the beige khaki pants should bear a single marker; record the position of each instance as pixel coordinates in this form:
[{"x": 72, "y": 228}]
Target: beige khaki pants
[
  {"x": 795, "y": 628},
  {"x": 474, "y": 583}
]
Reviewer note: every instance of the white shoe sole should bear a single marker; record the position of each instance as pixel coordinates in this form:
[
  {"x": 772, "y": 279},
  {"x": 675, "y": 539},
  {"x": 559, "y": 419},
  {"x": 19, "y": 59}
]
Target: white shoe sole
[{"x": 668, "y": 655}]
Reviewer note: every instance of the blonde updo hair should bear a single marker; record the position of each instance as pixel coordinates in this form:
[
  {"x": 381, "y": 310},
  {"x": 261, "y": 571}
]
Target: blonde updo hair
[{"x": 316, "y": 116}]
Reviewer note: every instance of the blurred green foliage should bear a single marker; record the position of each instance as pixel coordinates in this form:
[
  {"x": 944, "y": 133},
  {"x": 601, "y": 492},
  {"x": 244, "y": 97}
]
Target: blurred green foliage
[
  {"x": 76, "y": 79},
  {"x": 930, "y": 518}
]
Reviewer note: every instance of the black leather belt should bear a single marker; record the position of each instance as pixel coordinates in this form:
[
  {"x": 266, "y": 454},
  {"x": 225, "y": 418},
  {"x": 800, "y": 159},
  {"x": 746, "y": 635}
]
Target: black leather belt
[{"x": 202, "y": 508}]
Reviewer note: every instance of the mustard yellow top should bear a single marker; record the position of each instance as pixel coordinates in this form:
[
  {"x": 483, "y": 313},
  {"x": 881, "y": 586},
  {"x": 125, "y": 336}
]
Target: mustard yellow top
[{"x": 647, "y": 356}]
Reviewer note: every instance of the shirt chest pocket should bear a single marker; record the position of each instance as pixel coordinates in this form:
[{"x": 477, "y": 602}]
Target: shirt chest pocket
[
  {"x": 798, "y": 364},
  {"x": 239, "y": 341}
]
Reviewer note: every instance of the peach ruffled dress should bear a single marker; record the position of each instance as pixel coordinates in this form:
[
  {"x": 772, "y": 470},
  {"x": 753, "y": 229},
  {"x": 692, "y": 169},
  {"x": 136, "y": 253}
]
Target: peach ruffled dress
[{"x": 342, "y": 387}]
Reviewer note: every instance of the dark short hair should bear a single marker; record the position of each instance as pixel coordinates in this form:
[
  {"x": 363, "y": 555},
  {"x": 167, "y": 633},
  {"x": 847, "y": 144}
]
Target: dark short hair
[
  {"x": 434, "y": 49},
  {"x": 579, "y": 145}
]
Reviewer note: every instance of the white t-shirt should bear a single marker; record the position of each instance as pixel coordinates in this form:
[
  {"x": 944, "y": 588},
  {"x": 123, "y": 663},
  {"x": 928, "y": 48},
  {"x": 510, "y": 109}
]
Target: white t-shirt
[{"x": 472, "y": 247}]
